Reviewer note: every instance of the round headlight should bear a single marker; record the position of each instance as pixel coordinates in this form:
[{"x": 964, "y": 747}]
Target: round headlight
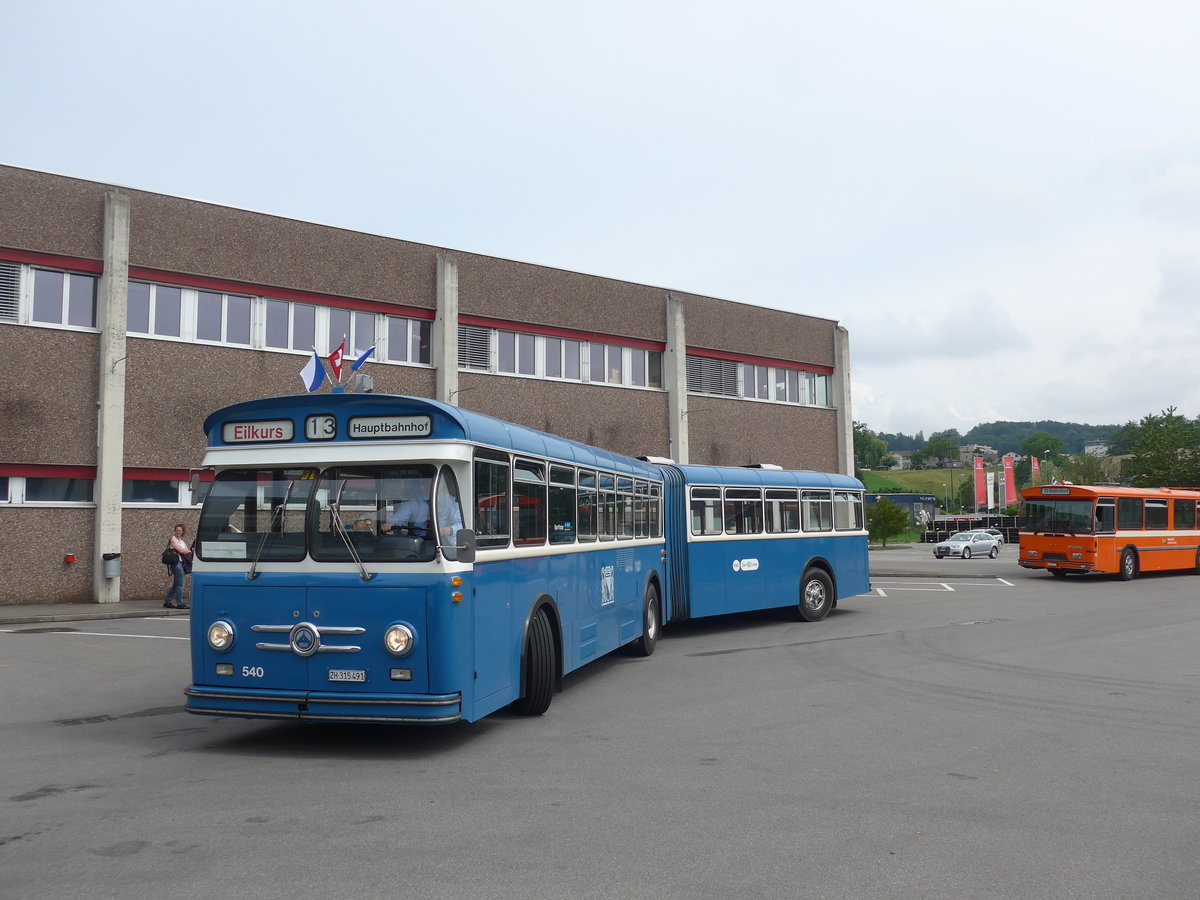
[
  {"x": 399, "y": 640},
  {"x": 220, "y": 635}
]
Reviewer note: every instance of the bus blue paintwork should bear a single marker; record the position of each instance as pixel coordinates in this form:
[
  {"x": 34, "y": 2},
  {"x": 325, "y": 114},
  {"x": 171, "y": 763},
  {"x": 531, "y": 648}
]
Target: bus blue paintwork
[{"x": 307, "y": 635}]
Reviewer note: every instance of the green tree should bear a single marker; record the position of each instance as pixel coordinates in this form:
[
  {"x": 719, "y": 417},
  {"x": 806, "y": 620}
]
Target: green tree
[
  {"x": 941, "y": 447},
  {"x": 869, "y": 448},
  {"x": 885, "y": 520},
  {"x": 1083, "y": 468},
  {"x": 1165, "y": 452},
  {"x": 1043, "y": 445}
]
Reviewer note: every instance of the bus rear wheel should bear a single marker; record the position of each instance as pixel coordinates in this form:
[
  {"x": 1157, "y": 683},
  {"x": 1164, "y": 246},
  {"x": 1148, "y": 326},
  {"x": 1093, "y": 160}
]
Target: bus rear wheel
[
  {"x": 816, "y": 595},
  {"x": 651, "y": 623},
  {"x": 1129, "y": 565},
  {"x": 538, "y": 687}
]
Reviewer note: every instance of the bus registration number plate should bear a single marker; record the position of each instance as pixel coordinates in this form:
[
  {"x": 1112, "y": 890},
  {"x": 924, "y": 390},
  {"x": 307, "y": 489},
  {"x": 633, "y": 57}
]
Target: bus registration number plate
[{"x": 347, "y": 675}]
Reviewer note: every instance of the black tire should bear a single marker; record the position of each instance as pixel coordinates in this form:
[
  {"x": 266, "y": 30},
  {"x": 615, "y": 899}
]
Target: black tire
[
  {"x": 1129, "y": 565},
  {"x": 538, "y": 687},
  {"x": 651, "y": 624},
  {"x": 966, "y": 552},
  {"x": 993, "y": 553},
  {"x": 816, "y": 596}
]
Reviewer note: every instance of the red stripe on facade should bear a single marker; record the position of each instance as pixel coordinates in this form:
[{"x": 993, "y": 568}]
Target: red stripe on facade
[
  {"x": 224, "y": 285},
  {"x": 566, "y": 333},
  {"x": 758, "y": 360},
  {"x": 75, "y": 264}
]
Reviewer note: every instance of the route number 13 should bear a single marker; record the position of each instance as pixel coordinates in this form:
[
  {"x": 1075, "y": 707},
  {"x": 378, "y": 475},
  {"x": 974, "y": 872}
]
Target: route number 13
[{"x": 320, "y": 428}]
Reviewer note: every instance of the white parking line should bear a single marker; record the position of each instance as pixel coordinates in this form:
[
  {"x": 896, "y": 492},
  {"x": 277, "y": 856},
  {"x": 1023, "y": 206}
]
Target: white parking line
[
  {"x": 937, "y": 587},
  {"x": 153, "y": 637}
]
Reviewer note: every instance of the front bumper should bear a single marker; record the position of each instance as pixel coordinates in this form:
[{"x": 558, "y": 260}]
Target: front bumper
[{"x": 324, "y": 706}]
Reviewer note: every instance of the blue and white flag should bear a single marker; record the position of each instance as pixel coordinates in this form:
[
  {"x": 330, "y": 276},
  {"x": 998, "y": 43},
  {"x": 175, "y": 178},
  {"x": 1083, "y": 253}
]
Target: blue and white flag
[
  {"x": 313, "y": 373},
  {"x": 362, "y": 358}
]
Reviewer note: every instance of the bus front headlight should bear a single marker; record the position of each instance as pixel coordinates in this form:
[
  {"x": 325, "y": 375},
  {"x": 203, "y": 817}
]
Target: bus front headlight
[
  {"x": 220, "y": 635},
  {"x": 399, "y": 640}
]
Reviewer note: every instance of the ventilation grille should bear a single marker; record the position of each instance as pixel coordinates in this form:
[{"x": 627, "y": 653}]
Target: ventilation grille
[
  {"x": 10, "y": 291},
  {"x": 712, "y": 376},
  {"x": 474, "y": 347}
]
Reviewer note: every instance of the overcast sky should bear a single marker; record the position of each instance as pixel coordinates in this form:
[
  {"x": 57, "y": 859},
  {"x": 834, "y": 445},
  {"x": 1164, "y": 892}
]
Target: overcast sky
[{"x": 1001, "y": 202}]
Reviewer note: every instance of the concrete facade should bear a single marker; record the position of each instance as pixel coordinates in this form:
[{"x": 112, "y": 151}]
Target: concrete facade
[{"x": 95, "y": 402}]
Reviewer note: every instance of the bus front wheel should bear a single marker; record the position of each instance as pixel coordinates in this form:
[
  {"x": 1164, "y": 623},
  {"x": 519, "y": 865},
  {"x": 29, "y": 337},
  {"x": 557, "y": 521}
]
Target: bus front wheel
[
  {"x": 538, "y": 687},
  {"x": 651, "y": 623},
  {"x": 816, "y": 596},
  {"x": 1129, "y": 565}
]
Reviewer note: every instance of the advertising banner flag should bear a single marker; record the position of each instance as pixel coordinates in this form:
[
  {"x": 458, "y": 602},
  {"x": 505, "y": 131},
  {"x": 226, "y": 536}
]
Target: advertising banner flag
[
  {"x": 980, "y": 485},
  {"x": 991, "y": 490},
  {"x": 1010, "y": 482},
  {"x": 1037, "y": 475}
]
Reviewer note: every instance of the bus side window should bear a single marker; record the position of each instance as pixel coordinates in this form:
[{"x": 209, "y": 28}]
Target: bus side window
[
  {"x": 562, "y": 505},
  {"x": 783, "y": 512},
  {"x": 655, "y": 510},
  {"x": 625, "y": 507},
  {"x": 817, "y": 510},
  {"x": 491, "y": 498},
  {"x": 1129, "y": 514},
  {"x": 608, "y": 507},
  {"x": 1185, "y": 515},
  {"x": 588, "y": 501},
  {"x": 529, "y": 502},
  {"x": 847, "y": 511},
  {"x": 743, "y": 511},
  {"x": 706, "y": 512}
]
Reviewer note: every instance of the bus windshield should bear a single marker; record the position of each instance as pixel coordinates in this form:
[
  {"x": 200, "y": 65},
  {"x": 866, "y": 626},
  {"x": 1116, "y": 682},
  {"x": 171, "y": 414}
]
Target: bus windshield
[
  {"x": 342, "y": 514},
  {"x": 256, "y": 513},
  {"x": 1069, "y": 516}
]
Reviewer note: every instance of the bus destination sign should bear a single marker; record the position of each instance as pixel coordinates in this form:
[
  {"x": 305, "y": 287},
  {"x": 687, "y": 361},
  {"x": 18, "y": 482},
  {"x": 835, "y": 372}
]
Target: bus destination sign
[
  {"x": 271, "y": 431},
  {"x": 1055, "y": 491},
  {"x": 362, "y": 427}
]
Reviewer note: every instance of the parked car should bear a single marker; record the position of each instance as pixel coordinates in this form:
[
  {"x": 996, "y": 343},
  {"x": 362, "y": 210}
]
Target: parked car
[
  {"x": 966, "y": 544},
  {"x": 994, "y": 532}
]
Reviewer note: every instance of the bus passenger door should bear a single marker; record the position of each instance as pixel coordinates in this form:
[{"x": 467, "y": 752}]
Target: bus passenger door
[{"x": 497, "y": 631}]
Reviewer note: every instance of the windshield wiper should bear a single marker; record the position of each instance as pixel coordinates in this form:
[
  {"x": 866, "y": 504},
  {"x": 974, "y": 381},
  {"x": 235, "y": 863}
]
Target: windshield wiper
[
  {"x": 335, "y": 517},
  {"x": 277, "y": 514}
]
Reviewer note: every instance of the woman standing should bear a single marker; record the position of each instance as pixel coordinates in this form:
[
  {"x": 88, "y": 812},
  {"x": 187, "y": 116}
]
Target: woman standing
[{"x": 179, "y": 545}]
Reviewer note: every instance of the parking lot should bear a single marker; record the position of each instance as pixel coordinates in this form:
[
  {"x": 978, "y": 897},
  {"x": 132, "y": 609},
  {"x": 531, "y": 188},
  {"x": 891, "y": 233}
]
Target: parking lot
[{"x": 969, "y": 729}]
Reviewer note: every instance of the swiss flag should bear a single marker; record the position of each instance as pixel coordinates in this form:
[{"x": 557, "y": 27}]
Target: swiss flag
[{"x": 335, "y": 359}]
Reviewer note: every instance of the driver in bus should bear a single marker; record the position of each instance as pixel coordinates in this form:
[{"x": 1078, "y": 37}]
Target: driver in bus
[{"x": 412, "y": 514}]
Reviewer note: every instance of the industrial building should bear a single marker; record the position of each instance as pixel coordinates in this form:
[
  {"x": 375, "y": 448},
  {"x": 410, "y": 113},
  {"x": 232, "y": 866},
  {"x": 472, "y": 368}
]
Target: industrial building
[{"x": 128, "y": 316}]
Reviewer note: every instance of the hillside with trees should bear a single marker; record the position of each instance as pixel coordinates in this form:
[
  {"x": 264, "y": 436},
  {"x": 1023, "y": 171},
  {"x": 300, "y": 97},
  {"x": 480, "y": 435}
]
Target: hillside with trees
[{"x": 1005, "y": 437}]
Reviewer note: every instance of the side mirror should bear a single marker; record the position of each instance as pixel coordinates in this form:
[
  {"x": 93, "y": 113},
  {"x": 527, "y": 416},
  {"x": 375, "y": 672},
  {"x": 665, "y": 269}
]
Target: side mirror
[{"x": 465, "y": 539}]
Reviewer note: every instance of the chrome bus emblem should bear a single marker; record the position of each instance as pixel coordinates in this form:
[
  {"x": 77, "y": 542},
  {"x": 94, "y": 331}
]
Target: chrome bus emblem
[{"x": 305, "y": 639}]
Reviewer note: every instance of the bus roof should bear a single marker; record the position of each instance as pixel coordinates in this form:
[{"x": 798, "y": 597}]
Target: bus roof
[
  {"x": 1106, "y": 490},
  {"x": 446, "y": 423},
  {"x": 735, "y": 475}
]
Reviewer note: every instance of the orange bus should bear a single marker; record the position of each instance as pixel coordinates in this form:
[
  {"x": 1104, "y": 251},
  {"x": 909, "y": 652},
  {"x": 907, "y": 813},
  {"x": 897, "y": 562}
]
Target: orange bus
[{"x": 1114, "y": 530}]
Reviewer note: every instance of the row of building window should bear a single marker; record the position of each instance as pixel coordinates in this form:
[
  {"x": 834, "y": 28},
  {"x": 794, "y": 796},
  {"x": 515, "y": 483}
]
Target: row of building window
[
  {"x": 166, "y": 311},
  {"x": 20, "y": 489}
]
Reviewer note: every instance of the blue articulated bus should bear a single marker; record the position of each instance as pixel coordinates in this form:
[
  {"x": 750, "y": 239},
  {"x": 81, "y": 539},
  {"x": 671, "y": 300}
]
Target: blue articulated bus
[{"x": 375, "y": 558}]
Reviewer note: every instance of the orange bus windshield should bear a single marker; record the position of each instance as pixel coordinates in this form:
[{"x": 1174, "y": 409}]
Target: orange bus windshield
[{"x": 1060, "y": 515}]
